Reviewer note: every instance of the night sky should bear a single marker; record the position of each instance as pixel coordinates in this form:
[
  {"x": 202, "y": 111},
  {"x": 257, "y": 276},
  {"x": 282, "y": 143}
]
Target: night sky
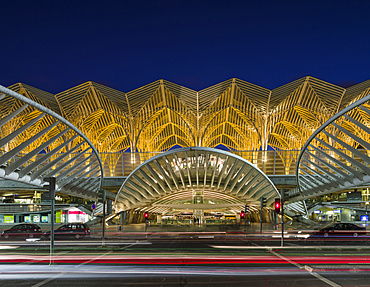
[{"x": 55, "y": 45}]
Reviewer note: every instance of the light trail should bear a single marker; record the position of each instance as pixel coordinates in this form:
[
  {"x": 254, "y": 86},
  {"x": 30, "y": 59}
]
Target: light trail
[{"x": 153, "y": 259}]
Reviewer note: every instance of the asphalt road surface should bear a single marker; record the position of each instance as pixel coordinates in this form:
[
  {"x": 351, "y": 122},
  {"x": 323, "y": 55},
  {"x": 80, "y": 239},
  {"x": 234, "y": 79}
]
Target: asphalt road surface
[
  {"x": 189, "y": 260},
  {"x": 92, "y": 275}
]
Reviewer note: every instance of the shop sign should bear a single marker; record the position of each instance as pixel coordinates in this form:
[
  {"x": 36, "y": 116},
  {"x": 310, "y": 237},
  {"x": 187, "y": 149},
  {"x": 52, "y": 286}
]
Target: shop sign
[
  {"x": 8, "y": 218},
  {"x": 364, "y": 218},
  {"x": 58, "y": 216},
  {"x": 36, "y": 218}
]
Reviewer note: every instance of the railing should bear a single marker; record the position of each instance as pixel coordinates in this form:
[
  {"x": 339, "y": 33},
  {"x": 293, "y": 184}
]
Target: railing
[{"x": 15, "y": 208}]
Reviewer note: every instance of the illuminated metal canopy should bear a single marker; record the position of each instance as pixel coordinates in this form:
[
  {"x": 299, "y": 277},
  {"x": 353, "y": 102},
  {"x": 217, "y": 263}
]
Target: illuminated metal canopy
[
  {"x": 233, "y": 113},
  {"x": 337, "y": 156},
  {"x": 171, "y": 175},
  {"x": 36, "y": 142},
  {"x": 239, "y": 115}
]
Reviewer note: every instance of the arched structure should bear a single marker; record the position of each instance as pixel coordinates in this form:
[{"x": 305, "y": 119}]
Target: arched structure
[
  {"x": 236, "y": 114},
  {"x": 193, "y": 175},
  {"x": 337, "y": 156},
  {"x": 246, "y": 118},
  {"x": 36, "y": 142}
]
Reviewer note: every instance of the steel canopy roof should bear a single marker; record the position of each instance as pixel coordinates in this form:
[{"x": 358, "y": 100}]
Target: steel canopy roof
[{"x": 179, "y": 171}]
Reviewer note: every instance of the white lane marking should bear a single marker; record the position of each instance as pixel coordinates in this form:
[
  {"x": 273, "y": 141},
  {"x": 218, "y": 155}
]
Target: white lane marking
[
  {"x": 63, "y": 273},
  {"x": 91, "y": 260},
  {"x": 308, "y": 268},
  {"x": 35, "y": 261}
]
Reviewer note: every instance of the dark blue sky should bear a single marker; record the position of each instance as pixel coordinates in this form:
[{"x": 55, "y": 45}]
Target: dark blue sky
[{"x": 54, "y": 45}]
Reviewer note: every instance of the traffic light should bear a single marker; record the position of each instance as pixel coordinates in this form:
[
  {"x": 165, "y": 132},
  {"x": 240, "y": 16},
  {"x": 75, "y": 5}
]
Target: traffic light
[
  {"x": 263, "y": 202},
  {"x": 277, "y": 205},
  {"x": 146, "y": 215},
  {"x": 242, "y": 214},
  {"x": 51, "y": 187},
  {"x": 101, "y": 196}
]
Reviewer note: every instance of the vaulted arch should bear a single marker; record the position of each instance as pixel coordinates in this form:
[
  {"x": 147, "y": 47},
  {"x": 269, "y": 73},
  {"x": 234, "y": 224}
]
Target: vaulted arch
[{"x": 188, "y": 171}]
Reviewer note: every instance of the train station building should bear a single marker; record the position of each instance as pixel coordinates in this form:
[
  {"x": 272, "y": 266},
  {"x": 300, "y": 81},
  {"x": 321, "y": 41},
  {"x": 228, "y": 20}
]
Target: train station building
[{"x": 184, "y": 155}]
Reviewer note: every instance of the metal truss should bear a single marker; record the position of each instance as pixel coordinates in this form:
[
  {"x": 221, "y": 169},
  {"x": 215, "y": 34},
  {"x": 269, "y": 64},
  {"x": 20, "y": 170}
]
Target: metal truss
[
  {"x": 162, "y": 115},
  {"x": 298, "y": 207},
  {"x": 337, "y": 155},
  {"x": 236, "y": 114},
  {"x": 36, "y": 142},
  {"x": 188, "y": 172}
]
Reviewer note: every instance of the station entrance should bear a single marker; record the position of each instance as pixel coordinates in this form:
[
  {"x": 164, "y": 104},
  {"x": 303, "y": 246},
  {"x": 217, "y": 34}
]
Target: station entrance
[{"x": 195, "y": 186}]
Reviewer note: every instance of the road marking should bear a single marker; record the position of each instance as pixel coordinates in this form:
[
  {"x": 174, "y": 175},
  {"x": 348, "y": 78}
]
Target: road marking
[
  {"x": 35, "y": 261},
  {"x": 93, "y": 259},
  {"x": 307, "y": 268},
  {"x": 63, "y": 273},
  {"x": 49, "y": 279},
  {"x": 135, "y": 243}
]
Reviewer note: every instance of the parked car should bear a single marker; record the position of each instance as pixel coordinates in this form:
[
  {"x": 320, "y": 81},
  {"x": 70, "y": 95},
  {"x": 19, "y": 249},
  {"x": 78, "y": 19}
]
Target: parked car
[
  {"x": 23, "y": 230},
  {"x": 70, "y": 230},
  {"x": 340, "y": 229}
]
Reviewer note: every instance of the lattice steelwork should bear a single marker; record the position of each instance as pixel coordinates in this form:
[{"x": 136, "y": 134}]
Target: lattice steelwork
[
  {"x": 234, "y": 113},
  {"x": 337, "y": 155},
  {"x": 162, "y": 115},
  {"x": 36, "y": 142},
  {"x": 176, "y": 172}
]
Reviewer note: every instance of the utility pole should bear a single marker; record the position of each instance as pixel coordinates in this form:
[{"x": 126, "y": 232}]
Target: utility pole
[
  {"x": 282, "y": 216},
  {"x": 51, "y": 196},
  {"x": 102, "y": 196},
  {"x": 246, "y": 209}
]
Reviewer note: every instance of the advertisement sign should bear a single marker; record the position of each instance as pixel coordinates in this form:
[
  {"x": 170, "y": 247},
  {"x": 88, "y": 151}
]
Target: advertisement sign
[
  {"x": 58, "y": 216},
  {"x": 27, "y": 218},
  {"x": 364, "y": 218},
  {"x": 44, "y": 218},
  {"x": 36, "y": 218},
  {"x": 8, "y": 218},
  {"x": 354, "y": 196}
]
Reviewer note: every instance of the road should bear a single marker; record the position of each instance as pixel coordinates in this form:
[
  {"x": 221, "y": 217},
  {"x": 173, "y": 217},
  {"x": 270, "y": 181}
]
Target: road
[
  {"x": 87, "y": 275},
  {"x": 187, "y": 260}
]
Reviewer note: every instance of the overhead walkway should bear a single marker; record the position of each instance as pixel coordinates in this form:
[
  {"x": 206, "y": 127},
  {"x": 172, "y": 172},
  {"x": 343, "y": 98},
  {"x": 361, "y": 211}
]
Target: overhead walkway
[{"x": 37, "y": 143}]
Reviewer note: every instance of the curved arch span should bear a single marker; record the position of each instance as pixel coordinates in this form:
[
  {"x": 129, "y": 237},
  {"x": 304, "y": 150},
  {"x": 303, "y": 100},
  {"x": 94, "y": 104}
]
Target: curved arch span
[{"x": 198, "y": 169}]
